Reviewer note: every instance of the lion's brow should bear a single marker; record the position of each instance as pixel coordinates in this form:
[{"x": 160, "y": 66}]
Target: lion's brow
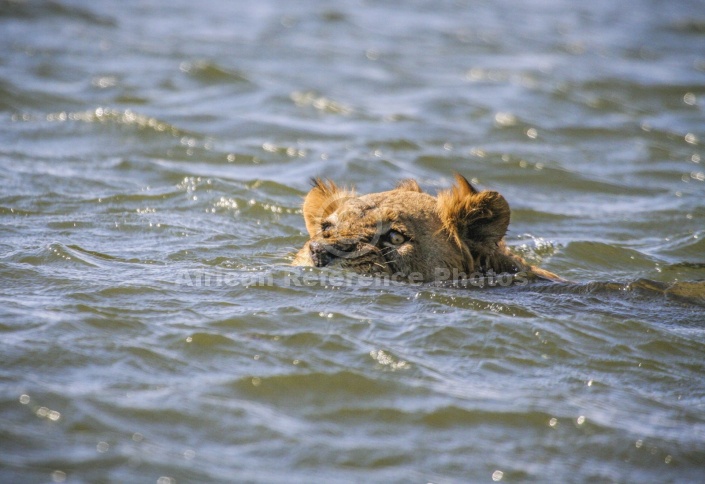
[{"x": 366, "y": 208}]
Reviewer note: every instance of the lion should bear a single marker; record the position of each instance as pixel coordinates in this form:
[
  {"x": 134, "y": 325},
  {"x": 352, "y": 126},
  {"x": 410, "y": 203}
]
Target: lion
[{"x": 409, "y": 234}]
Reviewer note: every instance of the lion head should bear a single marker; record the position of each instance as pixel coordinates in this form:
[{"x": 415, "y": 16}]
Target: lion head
[{"x": 408, "y": 233}]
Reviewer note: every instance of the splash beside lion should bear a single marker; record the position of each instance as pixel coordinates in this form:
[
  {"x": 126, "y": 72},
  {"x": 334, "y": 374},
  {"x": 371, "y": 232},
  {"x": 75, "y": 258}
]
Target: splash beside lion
[{"x": 410, "y": 234}]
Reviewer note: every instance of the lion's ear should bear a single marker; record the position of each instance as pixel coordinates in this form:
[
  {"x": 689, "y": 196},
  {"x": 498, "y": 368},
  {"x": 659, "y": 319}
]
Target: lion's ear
[
  {"x": 323, "y": 199},
  {"x": 471, "y": 216},
  {"x": 408, "y": 185}
]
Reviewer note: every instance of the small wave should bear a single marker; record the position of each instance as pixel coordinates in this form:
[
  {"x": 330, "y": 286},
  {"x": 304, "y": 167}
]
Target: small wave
[
  {"x": 689, "y": 26},
  {"x": 684, "y": 245},
  {"x": 607, "y": 258},
  {"x": 321, "y": 103},
  {"x": 397, "y": 144},
  {"x": 42, "y": 9},
  {"x": 211, "y": 72},
  {"x": 51, "y": 254},
  {"x": 208, "y": 340},
  {"x": 16, "y": 99},
  {"x": 343, "y": 384},
  {"x": 73, "y": 255}
]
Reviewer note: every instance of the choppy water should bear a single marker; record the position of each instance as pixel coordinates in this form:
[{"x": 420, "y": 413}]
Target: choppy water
[{"x": 153, "y": 158}]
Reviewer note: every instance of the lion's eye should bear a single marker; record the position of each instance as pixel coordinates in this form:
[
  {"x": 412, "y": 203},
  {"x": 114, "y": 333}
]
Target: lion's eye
[
  {"x": 326, "y": 226},
  {"x": 395, "y": 237}
]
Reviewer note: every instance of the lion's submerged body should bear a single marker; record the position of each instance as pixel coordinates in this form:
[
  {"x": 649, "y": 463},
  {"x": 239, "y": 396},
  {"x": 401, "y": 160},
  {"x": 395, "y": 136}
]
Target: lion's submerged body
[{"x": 409, "y": 234}]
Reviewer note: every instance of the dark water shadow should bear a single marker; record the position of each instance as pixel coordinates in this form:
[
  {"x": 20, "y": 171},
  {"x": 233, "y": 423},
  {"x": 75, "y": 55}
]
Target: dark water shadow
[
  {"x": 686, "y": 292},
  {"x": 676, "y": 303},
  {"x": 679, "y": 304}
]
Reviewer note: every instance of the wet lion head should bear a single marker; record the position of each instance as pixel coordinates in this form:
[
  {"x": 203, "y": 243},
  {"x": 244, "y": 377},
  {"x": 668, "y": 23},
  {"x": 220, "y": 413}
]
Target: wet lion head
[{"x": 405, "y": 231}]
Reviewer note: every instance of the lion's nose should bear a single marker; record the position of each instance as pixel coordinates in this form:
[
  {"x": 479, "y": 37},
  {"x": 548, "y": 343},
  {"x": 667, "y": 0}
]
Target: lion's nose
[
  {"x": 322, "y": 253},
  {"x": 319, "y": 254}
]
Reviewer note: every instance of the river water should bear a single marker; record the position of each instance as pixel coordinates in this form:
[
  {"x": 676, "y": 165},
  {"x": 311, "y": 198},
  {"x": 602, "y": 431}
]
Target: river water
[{"x": 154, "y": 156}]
